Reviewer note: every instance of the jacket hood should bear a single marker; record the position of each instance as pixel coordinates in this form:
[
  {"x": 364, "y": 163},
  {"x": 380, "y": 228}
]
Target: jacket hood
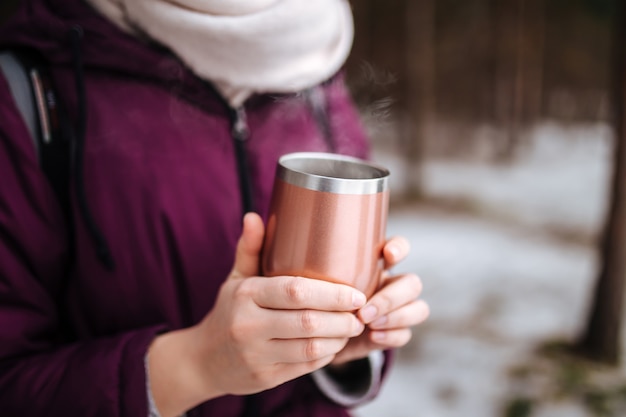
[{"x": 45, "y": 25}]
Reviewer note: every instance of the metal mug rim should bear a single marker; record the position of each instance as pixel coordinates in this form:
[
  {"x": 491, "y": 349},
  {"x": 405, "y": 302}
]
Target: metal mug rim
[{"x": 325, "y": 183}]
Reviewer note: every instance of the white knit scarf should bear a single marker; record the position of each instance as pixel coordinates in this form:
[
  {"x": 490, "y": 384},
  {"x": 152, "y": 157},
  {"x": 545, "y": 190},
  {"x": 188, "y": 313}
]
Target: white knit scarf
[{"x": 245, "y": 46}]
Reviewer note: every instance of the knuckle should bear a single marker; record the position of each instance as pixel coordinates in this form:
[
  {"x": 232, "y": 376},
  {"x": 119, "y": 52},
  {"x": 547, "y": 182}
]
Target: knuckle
[
  {"x": 309, "y": 322},
  {"x": 312, "y": 349},
  {"x": 344, "y": 297},
  {"x": 237, "y": 334},
  {"x": 255, "y": 376},
  {"x": 259, "y": 378},
  {"x": 246, "y": 289},
  {"x": 295, "y": 291}
]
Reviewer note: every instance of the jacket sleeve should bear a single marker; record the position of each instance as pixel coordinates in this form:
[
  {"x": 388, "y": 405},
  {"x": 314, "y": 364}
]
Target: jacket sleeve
[
  {"x": 357, "y": 384},
  {"x": 40, "y": 374}
]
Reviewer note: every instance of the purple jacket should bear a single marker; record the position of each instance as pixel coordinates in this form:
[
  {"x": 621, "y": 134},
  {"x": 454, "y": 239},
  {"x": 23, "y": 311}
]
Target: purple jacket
[{"x": 161, "y": 181}]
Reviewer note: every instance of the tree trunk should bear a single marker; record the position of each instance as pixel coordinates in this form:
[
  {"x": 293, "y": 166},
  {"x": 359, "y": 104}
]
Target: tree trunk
[
  {"x": 511, "y": 75},
  {"x": 535, "y": 50},
  {"x": 420, "y": 92},
  {"x": 503, "y": 24},
  {"x": 601, "y": 337}
]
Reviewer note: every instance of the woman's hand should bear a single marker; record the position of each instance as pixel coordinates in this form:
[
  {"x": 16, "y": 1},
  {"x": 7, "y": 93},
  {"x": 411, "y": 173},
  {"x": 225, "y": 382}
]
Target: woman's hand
[
  {"x": 262, "y": 332},
  {"x": 391, "y": 311}
]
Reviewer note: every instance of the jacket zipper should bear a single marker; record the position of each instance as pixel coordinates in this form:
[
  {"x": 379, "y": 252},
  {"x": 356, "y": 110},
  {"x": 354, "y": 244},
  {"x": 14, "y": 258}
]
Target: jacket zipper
[{"x": 240, "y": 134}]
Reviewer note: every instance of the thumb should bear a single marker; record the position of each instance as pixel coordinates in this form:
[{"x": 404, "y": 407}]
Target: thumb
[{"x": 247, "y": 257}]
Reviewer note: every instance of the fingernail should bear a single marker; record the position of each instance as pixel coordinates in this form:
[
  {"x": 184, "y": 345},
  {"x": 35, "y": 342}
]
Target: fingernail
[
  {"x": 394, "y": 251},
  {"x": 368, "y": 313},
  {"x": 358, "y": 299},
  {"x": 381, "y": 321}
]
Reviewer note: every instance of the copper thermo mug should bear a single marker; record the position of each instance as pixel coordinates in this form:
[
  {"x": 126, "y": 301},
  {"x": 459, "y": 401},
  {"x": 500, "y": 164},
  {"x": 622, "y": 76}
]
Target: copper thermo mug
[{"x": 327, "y": 220}]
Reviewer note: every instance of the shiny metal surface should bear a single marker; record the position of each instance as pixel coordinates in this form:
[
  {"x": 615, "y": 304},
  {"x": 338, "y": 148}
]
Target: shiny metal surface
[
  {"x": 332, "y": 173},
  {"x": 333, "y": 236}
]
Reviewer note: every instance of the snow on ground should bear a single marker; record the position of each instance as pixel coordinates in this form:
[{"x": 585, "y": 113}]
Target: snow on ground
[
  {"x": 558, "y": 180},
  {"x": 497, "y": 289},
  {"x": 494, "y": 293}
]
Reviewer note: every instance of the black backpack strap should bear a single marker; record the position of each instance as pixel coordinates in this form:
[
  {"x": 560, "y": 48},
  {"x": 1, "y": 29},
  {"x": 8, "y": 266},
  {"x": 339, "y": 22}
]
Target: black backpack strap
[
  {"x": 33, "y": 91},
  {"x": 19, "y": 84}
]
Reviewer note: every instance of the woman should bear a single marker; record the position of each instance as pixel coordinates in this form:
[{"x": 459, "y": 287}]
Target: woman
[{"x": 146, "y": 299}]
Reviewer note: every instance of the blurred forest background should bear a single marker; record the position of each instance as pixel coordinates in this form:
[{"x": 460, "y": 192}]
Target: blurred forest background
[
  {"x": 441, "y": 68},
  {"x": 491, "y": 61},
  {"x": 511, "y": 112},
  {"x": 502, "y": 122}
]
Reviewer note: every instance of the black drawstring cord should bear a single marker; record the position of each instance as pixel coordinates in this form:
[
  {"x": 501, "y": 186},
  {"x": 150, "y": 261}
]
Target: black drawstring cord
[
  {"x": 102, "y": 247},
  {"x": 317, "y": 102}
]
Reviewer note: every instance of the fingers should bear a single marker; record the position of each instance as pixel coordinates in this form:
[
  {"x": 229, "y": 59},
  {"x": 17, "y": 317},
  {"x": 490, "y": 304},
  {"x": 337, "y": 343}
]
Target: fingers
[
  {"x": 295, "y": 324},
  {"x": 297, "y": 293},
  {"x": 284, "y": 369},
  {"x": 357, "y": 348},
  {"x": 294, "y": 370},
  {"x": 409, "y": 315},
  {"x": 392, "y": 311},
  {"x": 292, "y": 308},
  {"x": 249, "y": 247},
  {"x": 395, "y": 293},
  {"x": 395, "y": 249},
  {"x": 306, "y": 350},
  {"x": 390, "y": 338},
  {"x": 360, "y": 347}
]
